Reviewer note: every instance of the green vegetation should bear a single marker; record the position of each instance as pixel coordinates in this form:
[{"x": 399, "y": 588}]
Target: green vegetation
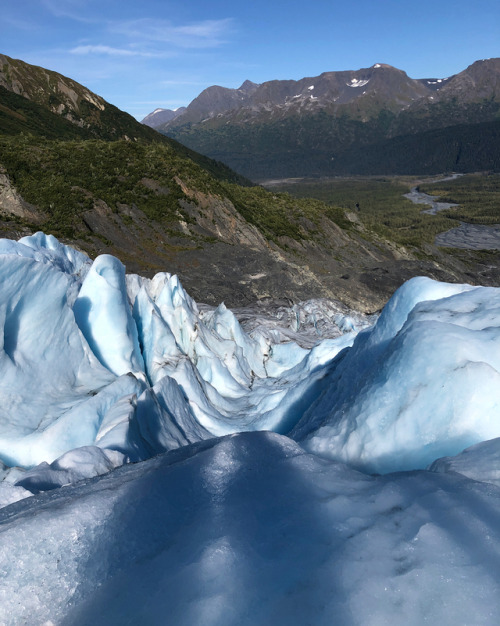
[
  {"x": 19, "y": 115},
  {"x": 477, "y": 194},
  {"x": 280, "y": 214},
  {"x": 461, "y": 148},
  {"x": 383, "y": 208},
  {"x": 295, "y": 146},
  {"x": 321, "y": 145},
  {"x": 67, "y": 178}
]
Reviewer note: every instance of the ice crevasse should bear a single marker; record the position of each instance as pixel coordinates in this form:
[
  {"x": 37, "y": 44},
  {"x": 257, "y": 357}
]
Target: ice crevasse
[
  {"x": 110, "y": 367},
  {"x": 176, "y": 502},
  {"x": 92, "y": 358}
]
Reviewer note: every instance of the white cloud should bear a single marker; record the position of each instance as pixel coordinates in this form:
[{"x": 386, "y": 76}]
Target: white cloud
[
  {"x": 115, "y": 52},
  {"x": 108, "y": 50},
  {"x": 73, "y": 9},
  {"x": 205, "y": 34},
  {"x": 152, "y": 38},
  {"x": 19, "y": 24}
]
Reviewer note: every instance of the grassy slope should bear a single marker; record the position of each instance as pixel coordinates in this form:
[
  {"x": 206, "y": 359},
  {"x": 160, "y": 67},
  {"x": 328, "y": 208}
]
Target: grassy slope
[
  {"x": 18, "y": 115},
  {"x": 67, "y": 178},
  {"x": 382, "y": 207}
]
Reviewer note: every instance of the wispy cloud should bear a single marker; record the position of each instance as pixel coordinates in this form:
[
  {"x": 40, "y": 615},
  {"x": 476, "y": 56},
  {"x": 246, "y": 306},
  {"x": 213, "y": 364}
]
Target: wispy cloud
[
  {"x": 73, "y": 9},
  {"x": 114, "y": 52},
  {"x": 151, "y": 38},
  {"x": 204, "y": 34}
]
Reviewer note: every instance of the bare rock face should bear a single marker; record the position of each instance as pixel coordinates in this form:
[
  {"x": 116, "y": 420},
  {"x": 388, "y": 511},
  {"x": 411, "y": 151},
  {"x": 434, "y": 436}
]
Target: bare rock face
[
  {"x": 11, "y": 203},
  {"x": 59, "y": 94}
]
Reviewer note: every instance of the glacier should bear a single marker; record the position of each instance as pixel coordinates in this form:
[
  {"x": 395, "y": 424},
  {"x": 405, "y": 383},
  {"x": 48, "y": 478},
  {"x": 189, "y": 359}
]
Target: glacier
[{"x": 162, "y": 461}]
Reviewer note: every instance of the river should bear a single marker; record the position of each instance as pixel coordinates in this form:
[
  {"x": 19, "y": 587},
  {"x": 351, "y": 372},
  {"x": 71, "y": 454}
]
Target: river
[{"x": 466, "y": 236}]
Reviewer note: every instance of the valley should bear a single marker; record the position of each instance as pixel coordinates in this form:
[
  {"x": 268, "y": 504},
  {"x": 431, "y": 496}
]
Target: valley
[
  {"x": 249, "y": 371},
  {"x": 76, "y": 167}
]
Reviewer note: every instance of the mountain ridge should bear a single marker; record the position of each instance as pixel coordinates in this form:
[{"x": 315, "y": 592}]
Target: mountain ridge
[
  {"x": 63, "y": 96},
  {"x": 101, "y": 181},
  {"x": 331, "y": 115}
]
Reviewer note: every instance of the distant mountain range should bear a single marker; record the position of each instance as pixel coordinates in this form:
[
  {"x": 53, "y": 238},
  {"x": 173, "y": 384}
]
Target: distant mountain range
[
  {"x": 161, "y": 116},
  {"x": 73, "y": 165},
  {"x": 347, "y": 123}
]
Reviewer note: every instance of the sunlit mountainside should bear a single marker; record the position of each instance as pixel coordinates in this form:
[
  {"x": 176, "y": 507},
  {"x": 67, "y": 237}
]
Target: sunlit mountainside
[
  {"x": 79, "y": 168},
  {"x": 376, "y": 120},
  {"x": 323, "y": 447}
]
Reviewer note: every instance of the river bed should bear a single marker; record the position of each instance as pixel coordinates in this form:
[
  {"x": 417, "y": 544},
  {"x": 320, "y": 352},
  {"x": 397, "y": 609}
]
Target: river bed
[
  {"x": 418, "y": 197},
  {"x": 466, "y": 236}
]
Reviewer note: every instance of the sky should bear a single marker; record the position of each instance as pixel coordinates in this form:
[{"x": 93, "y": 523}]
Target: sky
[{"x": 145, "y": 54}]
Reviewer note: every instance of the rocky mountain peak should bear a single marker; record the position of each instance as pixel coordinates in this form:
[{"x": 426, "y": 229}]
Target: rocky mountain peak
[
  {"x": 162, "y": 116},
  {"x": 248, "y": 86}
]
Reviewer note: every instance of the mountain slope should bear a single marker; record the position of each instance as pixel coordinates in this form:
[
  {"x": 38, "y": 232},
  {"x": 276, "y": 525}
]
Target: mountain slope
[
  {"x": 69, "y": 100},
  {"x": 158, "y": 211},
  {"x": 316, "y": 126},
  {"x": 47, "y": 104},
  {"x": 159, "y": 206},
  {"x": 20, "y": 115}
]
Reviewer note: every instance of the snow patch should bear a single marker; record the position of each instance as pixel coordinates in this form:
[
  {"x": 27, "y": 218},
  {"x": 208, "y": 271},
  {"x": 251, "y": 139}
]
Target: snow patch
[{"x": 355, "y": 82}]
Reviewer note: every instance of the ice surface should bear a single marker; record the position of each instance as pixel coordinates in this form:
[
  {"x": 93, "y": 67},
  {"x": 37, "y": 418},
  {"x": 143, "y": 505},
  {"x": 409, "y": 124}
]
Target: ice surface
[
  {"x": 133, "y": 365},
  {"x": 130, "y": 364},
  {"x": 71, "y": 467},
  {"x": 104, "y": 317},
  {"x": 480, "y": 462},
  {"x": 250, "y": 529},
  {"x": 129, "y": 490},
  {"x": 11, "y": 493},
  {"x": 423, "y": 383}
]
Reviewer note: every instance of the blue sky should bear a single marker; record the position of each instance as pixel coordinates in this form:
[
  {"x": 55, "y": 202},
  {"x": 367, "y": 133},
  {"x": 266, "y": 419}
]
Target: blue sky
[{"x": 144, "y": 54}]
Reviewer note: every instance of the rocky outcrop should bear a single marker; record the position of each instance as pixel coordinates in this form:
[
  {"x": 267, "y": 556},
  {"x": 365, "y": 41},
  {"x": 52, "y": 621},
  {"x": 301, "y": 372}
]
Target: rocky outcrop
[{"x": 12, "y": 204}]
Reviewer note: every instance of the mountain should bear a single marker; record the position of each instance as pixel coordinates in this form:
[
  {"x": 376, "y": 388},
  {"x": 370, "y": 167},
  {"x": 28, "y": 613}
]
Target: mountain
[
  {"x": 217, "y": 100},
  {"x": 89, "y": 114},
  {"x": 161, "y": 116},
  {"x": 74, "y": 166},
  {"x": 317, "y": 126},
  {"x": 329, "y": 91}
]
